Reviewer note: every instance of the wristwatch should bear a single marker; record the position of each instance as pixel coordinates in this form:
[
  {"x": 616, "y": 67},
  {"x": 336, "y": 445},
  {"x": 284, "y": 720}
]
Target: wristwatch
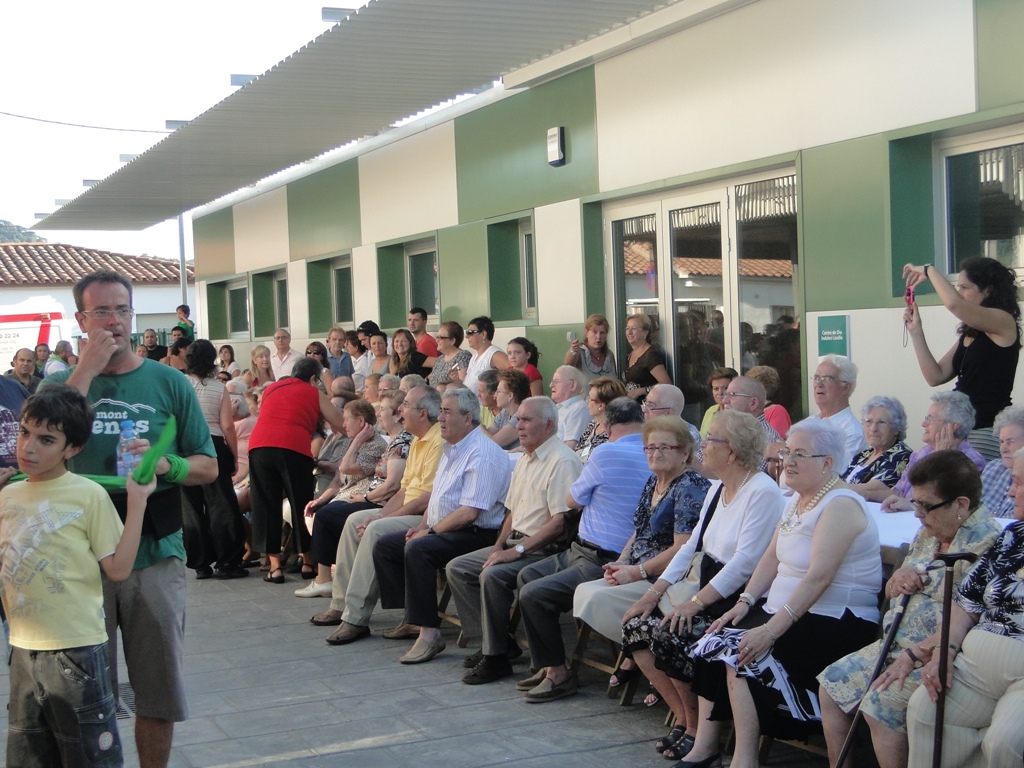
[
  {"x": 643, "y": 572},
  {"x": 520, "y": 549}
]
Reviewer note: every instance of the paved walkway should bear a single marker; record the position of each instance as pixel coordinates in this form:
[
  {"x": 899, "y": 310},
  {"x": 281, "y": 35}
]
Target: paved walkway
[{"x": 265, "y": 689}]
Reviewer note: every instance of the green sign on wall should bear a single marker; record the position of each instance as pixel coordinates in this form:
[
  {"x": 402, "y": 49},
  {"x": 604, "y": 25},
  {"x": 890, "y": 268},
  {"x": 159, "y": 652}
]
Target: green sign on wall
[{"x": 834, "y": 335}]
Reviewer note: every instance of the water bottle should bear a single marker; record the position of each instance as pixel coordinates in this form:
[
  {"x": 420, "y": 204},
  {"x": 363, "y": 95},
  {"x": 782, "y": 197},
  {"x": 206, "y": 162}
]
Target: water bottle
[{"x": 126, "y": 460}]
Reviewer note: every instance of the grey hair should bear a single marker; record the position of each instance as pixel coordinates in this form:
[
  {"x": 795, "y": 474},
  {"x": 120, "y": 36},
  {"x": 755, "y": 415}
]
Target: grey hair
[
  {"x": 847, "y": 369},
  {"x": 826, "y": 439},
  {"x": 392, "y": 379},
  {"x": 745, "y": 436},
  {"x": 469, "y": 404},
  {"x": 546, "y": 408},
  {"x": 571, "y": 372},
  {"x": 957, "y": 408},
  {"x": 412, "y": 380},
  {"x": 894, "y": 408},
  {"x": 623, "y": 410},
  {"x": 430, "y": 402},
  {"x": 1010, "y": 416}
]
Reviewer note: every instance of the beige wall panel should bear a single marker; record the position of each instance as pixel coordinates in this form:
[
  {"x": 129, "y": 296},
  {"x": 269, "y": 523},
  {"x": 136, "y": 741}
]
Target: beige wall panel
[
  {"x": 365, "y": 303},
  {"x": 261, "y": 231},
  {"x": 409, "y": 186},
  {"x": 780, "y": 75},
  {"x": 298, "y": 303},
  {"x": 558, "y": 236}
]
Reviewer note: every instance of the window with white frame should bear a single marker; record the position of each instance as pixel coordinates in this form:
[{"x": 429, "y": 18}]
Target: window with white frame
[
  {"x": 341, "y": 274},
  {"x": 238, "y": 309},
  {"x": 281, "y": 299},
  {"x": 981, "y": 182},
  {"x": 527, "y": 269},
  {"x": 422, "y": 278}
]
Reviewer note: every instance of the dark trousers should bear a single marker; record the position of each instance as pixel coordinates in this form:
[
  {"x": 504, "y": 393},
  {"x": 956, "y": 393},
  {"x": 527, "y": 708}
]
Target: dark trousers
[
  {"x": 275, "y": 473},
  {"x": 545, "y": 592},
  {"x": 328, "y": 523},
  {"x": 211, "y": 521},
  {"x": 407, "y": 571}
]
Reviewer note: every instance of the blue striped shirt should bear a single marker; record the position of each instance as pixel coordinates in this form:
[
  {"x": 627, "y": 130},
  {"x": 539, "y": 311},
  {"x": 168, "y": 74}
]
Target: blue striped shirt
[
  {"x": 609, "y": 490},
  {"x": 995, "y": 483},
  {"x": 474, "y": 472}
]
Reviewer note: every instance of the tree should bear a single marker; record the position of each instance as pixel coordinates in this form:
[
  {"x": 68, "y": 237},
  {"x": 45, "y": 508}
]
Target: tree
[{"x": 12, "y": 233}]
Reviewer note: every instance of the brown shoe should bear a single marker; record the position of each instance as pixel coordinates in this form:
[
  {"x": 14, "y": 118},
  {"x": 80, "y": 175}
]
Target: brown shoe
[
  {"x": 347, "y": 633},
  {"x": 329, "y": 618},
  {"x": 402, "y": 632},
  {"x": 533, "y": 680}
]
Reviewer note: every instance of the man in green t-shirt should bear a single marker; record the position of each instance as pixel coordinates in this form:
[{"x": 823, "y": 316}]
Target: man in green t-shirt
[{"x": 149, "y": 606}]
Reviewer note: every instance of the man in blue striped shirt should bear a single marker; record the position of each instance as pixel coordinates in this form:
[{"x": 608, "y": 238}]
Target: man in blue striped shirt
[
  {"x": 608, "y": 491},
  {"x": 465, "y": 513}
]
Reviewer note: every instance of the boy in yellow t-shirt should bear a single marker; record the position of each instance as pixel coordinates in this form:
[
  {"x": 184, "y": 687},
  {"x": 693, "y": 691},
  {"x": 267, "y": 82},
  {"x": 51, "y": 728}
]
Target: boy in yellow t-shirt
[{"x": 56, "y": 531}]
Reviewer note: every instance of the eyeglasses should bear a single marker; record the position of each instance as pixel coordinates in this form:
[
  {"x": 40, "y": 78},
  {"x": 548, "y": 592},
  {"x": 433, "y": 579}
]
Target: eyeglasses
[
  {"x": 710, "y": 439},
  {"x": 785, "y": 454},
  {"x": 312, "y": 352},
  {"x": 650, "y": 450},
  {"x": 1008, "y": 441},
  {"x": 444, "y": 338},
  {"x": 823, "y": 379},
  {"x": 471, "y": 332},
  {"x": 875, "y": 422},
  {"x": 935, "y": 420},
  {"x": 647, "y": 408},
  {"x": 554, "y": 382},
  {"x": 924, "y": 509},
  {"x": 123, "y": 313},
  {"x": 730, "y": 395}
]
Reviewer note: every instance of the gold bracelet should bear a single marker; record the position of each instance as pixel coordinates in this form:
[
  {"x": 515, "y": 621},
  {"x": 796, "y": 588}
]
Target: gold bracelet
[
  {"x": 659, "y": 594},
  {"x": 774, "y": 638},
  {"x": 698, "y": 601}
]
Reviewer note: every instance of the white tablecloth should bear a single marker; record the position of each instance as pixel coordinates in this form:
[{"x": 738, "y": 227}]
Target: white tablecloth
[{"x": 898, "y": 528}]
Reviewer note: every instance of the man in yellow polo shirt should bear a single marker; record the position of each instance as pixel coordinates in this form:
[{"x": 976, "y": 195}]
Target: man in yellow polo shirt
[{"x": 355, "y": 590}]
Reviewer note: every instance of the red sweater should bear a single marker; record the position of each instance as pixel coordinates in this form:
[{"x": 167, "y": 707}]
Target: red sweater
[{"x": 289, "y": 412}]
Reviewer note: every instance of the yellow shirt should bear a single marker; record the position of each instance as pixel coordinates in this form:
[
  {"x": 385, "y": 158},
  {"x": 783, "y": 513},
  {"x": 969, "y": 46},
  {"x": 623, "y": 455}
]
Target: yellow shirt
[
  {"x": 52, "y": 536},
  {"x": 540, "y": 483},
  {"x": 421, "y": 465},
  {"x": 709, "y": 414}
]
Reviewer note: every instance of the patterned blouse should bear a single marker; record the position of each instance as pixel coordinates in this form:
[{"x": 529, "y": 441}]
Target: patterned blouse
[
  {"x": 889, "y": 467},
  {"x": 398, "y": 448},
  {"x": 441, "y": 372},
  {"x": 995, "y": 586},
  {"x": 677, "y": 513},
  {"x": 589, "y": 440}
]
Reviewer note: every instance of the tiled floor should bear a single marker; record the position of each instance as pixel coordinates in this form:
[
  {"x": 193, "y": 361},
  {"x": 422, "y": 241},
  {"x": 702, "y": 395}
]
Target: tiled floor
[{"x": 265, "y": 689}]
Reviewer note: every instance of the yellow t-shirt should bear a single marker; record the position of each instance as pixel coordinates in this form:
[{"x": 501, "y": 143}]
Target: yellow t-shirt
[
  {"x": 421, "y": 465},
  {"x": 52, "y": 536}
]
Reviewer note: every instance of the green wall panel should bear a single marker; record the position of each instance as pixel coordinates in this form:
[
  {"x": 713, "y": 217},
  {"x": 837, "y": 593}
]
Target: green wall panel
[
  {"x": 1000, "y": 54},
  {"x": 213, "y": 239},
  {"x": 462, "y": 267},
  {"x": 501, "y": 150},
  {"x": 844, "y": 190},
  {"x": 262, "y": 303},
  {"x": 217, "y": 310},
  {"x": 593, "y": 259},
  {"x": 391, "y": 285},
  {"x": 504, "y": 278},
  {"x": 323, "y": 212},
  {"x": 550, "y": 340},
  {"x": 318, "y": 292},
  {"x": 911, "y": 207}
]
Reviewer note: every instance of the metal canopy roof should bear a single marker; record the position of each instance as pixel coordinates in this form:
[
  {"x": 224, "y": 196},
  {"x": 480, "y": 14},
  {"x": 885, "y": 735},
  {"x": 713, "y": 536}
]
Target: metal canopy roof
[{"x": 391, "y": 59}]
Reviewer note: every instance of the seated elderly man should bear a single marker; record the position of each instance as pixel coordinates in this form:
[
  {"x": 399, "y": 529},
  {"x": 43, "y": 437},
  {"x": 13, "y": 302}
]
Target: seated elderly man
[
  {"x": 464, "y": 514},
  {"x": 949, "y": 421},
  {"x": 484, "y": 582},
  {"x": 608, "y": 491},
  {"x": 573, "y": 415},
  {"x": 355, "y": 590},
  {"x": 343, "y": 390},
  {"x": 833, "y": 383},
  {"x": 411, "y": 380},
  {"x": 747, "y": 395},
  {"x": 995, "y": 478}
]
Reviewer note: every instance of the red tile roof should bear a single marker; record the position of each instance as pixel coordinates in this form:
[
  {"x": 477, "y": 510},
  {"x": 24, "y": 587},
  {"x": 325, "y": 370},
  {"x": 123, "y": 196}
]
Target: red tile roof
[
  {"x": 637, "y": 257},
  {"x": 59, "y": 264}
]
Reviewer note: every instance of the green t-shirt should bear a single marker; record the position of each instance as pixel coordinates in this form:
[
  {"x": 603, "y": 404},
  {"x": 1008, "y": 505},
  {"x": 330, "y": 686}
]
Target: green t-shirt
[{"x": 148, "y": 396}]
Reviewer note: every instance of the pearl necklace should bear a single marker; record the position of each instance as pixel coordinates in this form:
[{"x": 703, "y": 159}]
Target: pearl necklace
[
  {"x": 792, "y": 519},
  {"x": 727, "y": 503}
]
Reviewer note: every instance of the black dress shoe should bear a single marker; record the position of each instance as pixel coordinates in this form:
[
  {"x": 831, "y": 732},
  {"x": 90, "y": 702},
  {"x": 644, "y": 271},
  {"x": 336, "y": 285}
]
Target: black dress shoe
[
  {"x": 204, "y": 572},
  {"x": 231, "y": 572},
  {"x": 272, "y": 579},
  {"x": 708, "y": 762},
  {"x": 489, "y": 669}
]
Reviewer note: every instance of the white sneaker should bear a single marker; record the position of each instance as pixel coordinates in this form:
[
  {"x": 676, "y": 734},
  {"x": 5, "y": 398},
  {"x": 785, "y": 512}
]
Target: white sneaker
[{"x": 314, "y": 590}]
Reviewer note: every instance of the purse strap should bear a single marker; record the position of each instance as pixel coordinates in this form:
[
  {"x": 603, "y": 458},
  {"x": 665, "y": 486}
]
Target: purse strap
[{"x": 707, "y": 518}]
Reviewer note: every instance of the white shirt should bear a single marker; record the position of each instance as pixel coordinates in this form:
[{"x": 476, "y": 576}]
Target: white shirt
[
  {"x": 283, "y": 367},
  {"x": 360, "y": 370},
  {"x": 573, "y": 418},
  {"x": 477, "y": 365},
  {"x": 738, "y": 534}
]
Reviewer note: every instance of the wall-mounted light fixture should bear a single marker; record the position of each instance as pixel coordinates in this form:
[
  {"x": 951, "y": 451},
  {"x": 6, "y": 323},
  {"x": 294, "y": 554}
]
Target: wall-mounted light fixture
[{"x": 556, "y": 146}]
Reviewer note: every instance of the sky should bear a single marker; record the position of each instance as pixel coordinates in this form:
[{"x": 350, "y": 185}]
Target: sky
[{"x": 128, "y": 65}]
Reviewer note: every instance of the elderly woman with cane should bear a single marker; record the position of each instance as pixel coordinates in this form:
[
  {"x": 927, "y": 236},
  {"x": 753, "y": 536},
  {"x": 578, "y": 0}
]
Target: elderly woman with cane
[
  {"x": 946, "y": 493},
  {"x": 971, "y": 715}
]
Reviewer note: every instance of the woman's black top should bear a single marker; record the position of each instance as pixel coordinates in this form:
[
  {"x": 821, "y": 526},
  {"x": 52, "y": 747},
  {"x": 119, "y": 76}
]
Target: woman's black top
[{"x": 985, "y": 373}]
